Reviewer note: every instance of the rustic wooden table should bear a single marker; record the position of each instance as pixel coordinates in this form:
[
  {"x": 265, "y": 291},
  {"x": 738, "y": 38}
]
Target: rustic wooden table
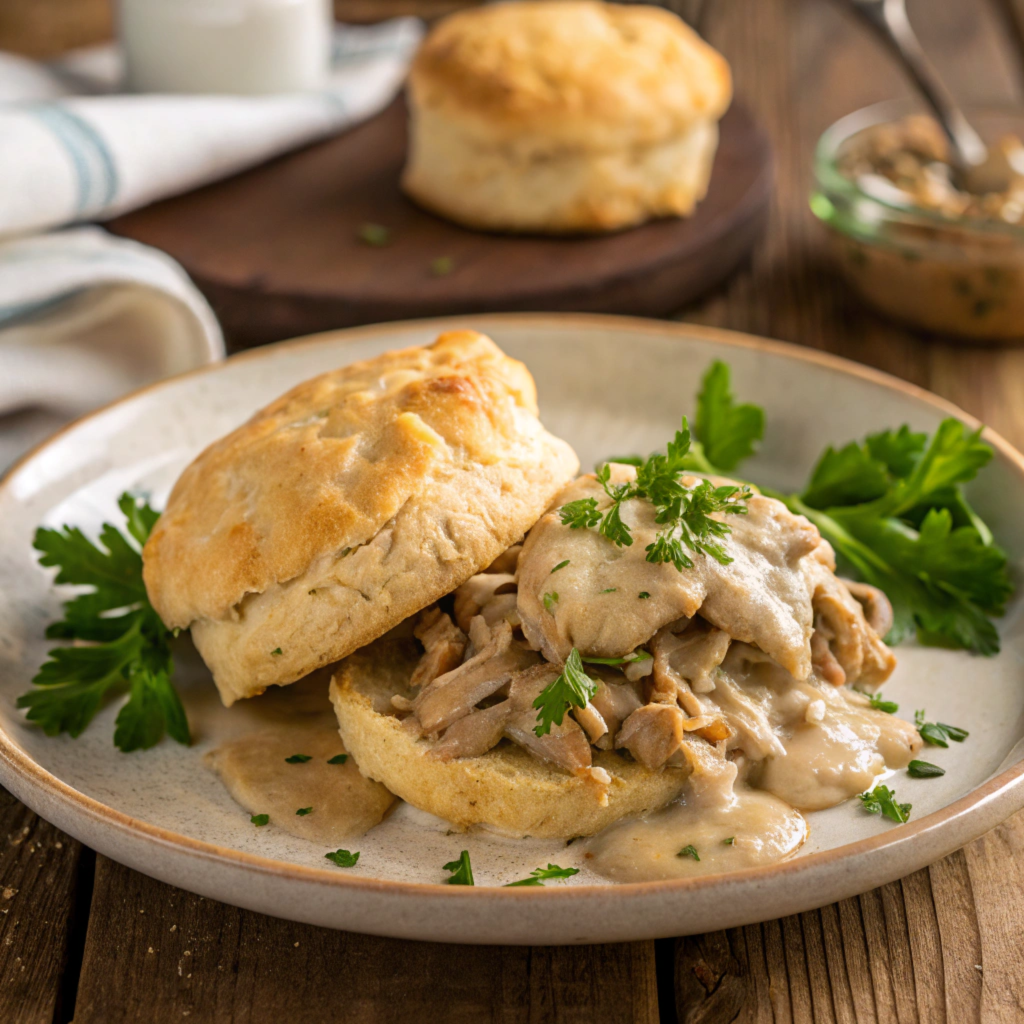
[{"x": 83, "y": 938}]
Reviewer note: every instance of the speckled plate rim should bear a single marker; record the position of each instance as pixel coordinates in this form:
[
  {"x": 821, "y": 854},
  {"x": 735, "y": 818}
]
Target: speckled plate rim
[{"x": 377, "y": 905}]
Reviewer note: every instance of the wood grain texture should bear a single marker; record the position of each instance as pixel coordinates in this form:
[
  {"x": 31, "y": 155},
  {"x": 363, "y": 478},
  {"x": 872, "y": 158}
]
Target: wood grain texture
[
  {"x": 39, "y": 879},
  {"x": 179, "y": 956}
]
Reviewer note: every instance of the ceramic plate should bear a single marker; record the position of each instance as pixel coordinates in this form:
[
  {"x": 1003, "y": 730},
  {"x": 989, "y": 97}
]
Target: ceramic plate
[{"x": 606, "y": 385}]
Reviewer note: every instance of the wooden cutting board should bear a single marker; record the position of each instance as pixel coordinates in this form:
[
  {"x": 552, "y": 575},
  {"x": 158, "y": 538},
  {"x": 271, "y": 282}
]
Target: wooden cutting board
[{"x": 277, "y": 250}]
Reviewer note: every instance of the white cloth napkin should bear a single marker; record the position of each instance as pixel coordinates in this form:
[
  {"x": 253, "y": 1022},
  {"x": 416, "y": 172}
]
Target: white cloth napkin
[
  {"x": 85, "y": 316},
  {"x": 73, "y": 149}
]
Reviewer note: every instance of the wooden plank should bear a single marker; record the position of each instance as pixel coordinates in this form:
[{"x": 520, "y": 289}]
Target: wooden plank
[
  {"x": 39, "y": 872},
  {"x": 179, "y": 956}
]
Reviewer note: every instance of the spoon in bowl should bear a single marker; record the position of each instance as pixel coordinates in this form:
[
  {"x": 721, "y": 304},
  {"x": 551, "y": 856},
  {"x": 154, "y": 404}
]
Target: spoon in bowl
[{"x": 975, "y": 168}]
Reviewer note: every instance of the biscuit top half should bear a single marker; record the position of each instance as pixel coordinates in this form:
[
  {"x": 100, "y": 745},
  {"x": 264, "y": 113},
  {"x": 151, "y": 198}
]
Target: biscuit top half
[
  {"x": 330, "y": 463},
  {"x": 588, "y": 74}
]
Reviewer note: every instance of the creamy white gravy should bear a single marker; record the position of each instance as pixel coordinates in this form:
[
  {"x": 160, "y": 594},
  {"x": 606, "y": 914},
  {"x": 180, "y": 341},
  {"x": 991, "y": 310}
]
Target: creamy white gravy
[
  {"x": 833, "y": 760},
  {"x": 256, "y": 774},
  {"x": 797, "y": 746},
  {"x": 762, "y": 830}
]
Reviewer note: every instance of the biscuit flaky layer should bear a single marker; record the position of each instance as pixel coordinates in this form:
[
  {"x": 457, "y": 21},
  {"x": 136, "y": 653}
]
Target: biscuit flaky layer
[
  {"x": 348, "y": 504},
  {"x": 507, "y": 789}
]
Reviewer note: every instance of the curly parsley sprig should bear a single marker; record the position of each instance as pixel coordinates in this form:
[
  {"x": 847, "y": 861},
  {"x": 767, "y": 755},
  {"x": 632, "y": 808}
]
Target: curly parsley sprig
[
  {"x": 684, "y": 513},
  {"x": 122, "y": 642}
]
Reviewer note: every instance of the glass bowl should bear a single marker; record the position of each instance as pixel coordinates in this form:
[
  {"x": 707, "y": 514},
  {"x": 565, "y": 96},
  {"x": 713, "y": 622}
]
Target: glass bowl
[{"x": 951, "y": 275}]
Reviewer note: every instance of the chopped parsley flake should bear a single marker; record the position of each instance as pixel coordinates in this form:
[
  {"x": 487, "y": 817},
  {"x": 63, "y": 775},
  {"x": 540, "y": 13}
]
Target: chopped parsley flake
[
  {"x": 729, "y": 841},
  {"x": 643, "y": 595},
  {"x": 538, "y": 875},
  {"x": 875, "y": 700},
  {"x": 338, "y": 759},
  {"x": 609, "y": 590},
  {"x": 303, "y": 811},
  {"x": 298, "y": 759},
  {"x": 638, "y": 655},
  {"x": 572, "y": 688},
  {"x": 461, "y": 869},
  {"x": 924, "y": 770},
  {"x": 936, "y": 734},
  {"x": 343, "y": 858},
  {"x": 689, "y": 851},
  {"x": 882, "y": 800},
  {"x": 375, "y": 235},
  {"x": 277, "y": 650},
  {"x": 549, "y": 600},
  {"x": 442, "y": 267},
  {"x": 260, "y": 819},
  {"x": 561, "y": 565}
]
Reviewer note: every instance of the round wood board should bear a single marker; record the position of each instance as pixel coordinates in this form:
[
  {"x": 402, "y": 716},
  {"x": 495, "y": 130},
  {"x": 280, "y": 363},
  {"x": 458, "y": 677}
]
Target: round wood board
[{"x": 278, "y": 253}]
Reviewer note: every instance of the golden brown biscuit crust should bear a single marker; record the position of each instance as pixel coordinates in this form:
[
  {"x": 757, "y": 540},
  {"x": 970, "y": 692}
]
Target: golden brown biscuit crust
[
  {"x": 349, "y": 503},
  {"x": 589, "y": 74}
]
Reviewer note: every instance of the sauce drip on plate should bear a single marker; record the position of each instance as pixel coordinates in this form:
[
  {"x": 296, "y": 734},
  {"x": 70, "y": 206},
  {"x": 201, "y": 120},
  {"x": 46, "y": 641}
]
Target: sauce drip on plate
[
  {"x": 748, "y": 830},
  {"x": 256, "y": 774}
]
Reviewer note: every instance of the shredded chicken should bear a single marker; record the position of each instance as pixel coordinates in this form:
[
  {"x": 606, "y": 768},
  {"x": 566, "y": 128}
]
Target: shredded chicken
[
  {"x": 858, "y": 653},
  {"x": 473, "y": 735},
  {"x": 747, "y": 661},
  {"x": 615, "y": 702},
  {"x": 877, "y": 609},
  {"x": 694, "y": 653},
  {"x": 455, "y": 694},
  {"x": 507, "y": 561},
  {"x": 490, "y": 594},
  {"x": 444, "y": 645},
  {"x": 565, "y": 745}
]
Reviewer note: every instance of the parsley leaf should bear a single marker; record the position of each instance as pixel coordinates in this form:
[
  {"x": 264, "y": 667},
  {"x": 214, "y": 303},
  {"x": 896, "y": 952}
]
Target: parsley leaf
[
  {"x": 550, "y": 599},
  {"x": 561, "y": 565},
  {"x": 126, "y": 646},
  {"x": 936, "y": 734},
  {"x": 538, "y": 875},
  {"x": 343, "y": 858},
  {"x": 882, "y": 800},
  {"x": 894, "y": 511},
  {"x": 846, "y": 476},
  {"x": 461, "y": 869},
  {"x": 338, "y": 759},
  {"x": 298, "y": 759},
  {"x": 260, "y": 819},
  {"x": 875, "y": 700},
  {"x": 729, "y": 433},
  {"x": 572, "y": 688},
  {"x": 924, "y": 770},
  {"x": 303, "y": 811},
  {"x": 689, "y": 851},
  {"x": 729, "y": 841}
]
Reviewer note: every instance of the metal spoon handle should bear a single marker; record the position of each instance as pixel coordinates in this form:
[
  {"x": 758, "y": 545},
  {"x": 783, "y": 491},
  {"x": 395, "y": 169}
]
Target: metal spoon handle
[{"x": 889, "y": 19}]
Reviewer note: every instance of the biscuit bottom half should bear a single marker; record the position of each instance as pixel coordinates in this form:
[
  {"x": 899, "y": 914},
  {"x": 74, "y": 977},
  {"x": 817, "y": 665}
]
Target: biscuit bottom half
[
  {"x": 533, "y": 184},
  {"x": 506, "y": 790}
]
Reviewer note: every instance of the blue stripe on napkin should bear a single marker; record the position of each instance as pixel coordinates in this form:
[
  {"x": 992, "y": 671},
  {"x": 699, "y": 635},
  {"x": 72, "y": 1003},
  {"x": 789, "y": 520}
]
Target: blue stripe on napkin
[{"x": 88, "y": 153}]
